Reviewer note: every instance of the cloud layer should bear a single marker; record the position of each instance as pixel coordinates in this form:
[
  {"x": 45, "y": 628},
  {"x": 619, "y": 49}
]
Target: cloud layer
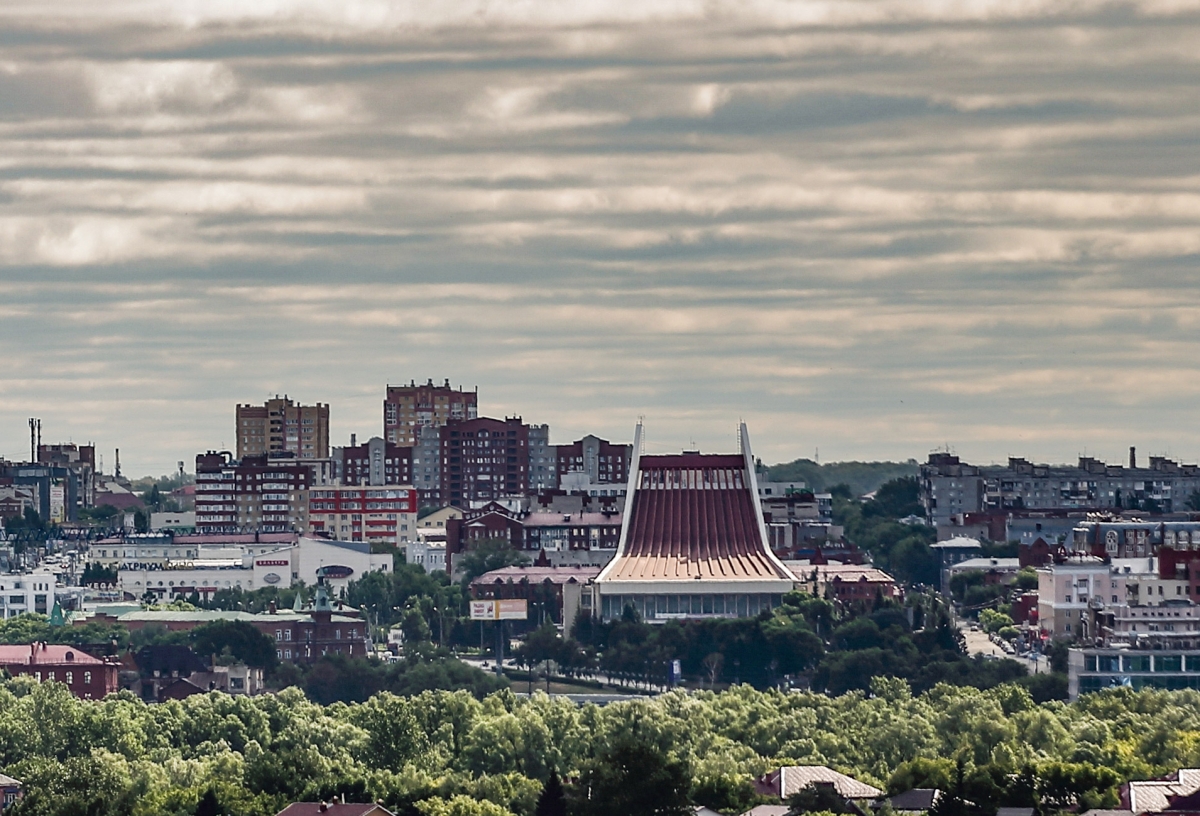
[{"x": 868, "y": 228}]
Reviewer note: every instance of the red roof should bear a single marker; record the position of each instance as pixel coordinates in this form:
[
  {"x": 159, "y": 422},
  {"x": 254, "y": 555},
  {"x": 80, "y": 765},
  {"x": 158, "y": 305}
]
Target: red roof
[
  {"x": 26, "y": 654},
  {"x": 693, "y": 516}
]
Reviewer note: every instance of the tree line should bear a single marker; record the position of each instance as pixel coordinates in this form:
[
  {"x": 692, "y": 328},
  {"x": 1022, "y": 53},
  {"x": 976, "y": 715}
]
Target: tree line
[{"x": 441, "y": 753}]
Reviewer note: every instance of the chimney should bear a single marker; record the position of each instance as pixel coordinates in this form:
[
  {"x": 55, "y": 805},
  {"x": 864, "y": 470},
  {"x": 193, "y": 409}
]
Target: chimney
[
  {"x": 321, "y": 808},
  {"x": 1132, "y": 456},
  {"x": 354, "y": 440}
]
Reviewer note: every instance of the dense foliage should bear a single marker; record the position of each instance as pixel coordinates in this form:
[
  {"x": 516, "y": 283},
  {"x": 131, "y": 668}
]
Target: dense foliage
[
  {"x": 860, "y": 477},
  {"x": 448, "y": 752}
]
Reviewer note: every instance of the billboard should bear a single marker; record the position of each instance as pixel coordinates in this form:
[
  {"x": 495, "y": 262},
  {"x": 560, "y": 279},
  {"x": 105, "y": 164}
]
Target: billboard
[{"x": 499, "y": 610}]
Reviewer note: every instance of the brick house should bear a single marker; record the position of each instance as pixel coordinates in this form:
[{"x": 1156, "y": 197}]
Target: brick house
[{"x": 87, "y": 677}]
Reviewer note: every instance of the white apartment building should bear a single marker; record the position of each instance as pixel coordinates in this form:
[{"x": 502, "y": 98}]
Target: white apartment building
[{"x": 28, "y": 592}]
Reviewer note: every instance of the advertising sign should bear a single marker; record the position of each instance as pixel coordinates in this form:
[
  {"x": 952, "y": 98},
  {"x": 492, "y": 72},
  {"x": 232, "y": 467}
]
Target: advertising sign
[
  {"x": 499, "y": 610},
  {"x": 58, "y": 503}
]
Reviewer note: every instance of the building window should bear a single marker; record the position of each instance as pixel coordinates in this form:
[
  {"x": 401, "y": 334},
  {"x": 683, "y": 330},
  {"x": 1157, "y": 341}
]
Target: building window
[
  {"x": 70, "y": 678},
  {"x": 87, "y": 678}
]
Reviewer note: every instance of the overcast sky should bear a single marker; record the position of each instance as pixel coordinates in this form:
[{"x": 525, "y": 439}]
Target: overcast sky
[{"x": 867, "y": 228}]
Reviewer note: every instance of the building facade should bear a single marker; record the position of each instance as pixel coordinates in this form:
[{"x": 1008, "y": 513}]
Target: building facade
[
  {"x": 28, "y": 592},
  {"x": 484, "y": 460},
  {"x": 87, "y": 677},
  {"x": 949, "y": 487},
  {"x": 384, "y": 514},
  {"x": 407, "y": 408},
  {"x": 280, "y": 425},
  {"x": 375, "y": 462},
  {"x": 255, "y": 493}
]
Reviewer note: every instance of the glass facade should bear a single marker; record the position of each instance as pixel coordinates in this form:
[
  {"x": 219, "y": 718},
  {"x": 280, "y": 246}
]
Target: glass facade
[
  {"x": 1098, "y": 670},
  {"x": 667, "y": 607}
]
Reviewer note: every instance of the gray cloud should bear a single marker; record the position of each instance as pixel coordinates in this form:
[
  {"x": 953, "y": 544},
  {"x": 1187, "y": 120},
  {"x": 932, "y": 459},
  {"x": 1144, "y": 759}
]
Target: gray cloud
[{"x": 871, "y": 228}]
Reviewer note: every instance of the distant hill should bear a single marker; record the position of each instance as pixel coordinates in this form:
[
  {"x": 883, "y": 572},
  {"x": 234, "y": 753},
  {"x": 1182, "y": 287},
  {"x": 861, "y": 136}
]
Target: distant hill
[{"x": 863, "y": 477}]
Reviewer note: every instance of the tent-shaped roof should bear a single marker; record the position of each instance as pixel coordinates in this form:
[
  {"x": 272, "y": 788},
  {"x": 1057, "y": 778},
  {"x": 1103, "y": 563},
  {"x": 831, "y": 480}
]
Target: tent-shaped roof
[{"x": 694, "y": 516}]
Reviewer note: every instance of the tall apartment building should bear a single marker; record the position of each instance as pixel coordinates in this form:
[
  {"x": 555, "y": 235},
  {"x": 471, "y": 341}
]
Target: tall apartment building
[
  {"x": 484, "y": 459},
  {"x": 375, "y": 462},
  {"x": 949, "y": 487},
  {"x": 282, "y": 426},
  {"x": 256, "y": 493},
  {"x": 427, "y": 466},
  {"x": 543, "y": 465},
  {"x": 406, "y": 408}
]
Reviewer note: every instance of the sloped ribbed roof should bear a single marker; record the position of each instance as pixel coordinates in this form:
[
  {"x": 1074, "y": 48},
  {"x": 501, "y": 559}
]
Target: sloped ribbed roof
[{"x": 693, "y": 516}]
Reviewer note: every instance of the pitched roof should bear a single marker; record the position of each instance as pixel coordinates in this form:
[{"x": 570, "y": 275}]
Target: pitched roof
[
  {"x": 536, "y": 575},
  {"x": 767, "y": 810},
  {"x": 1154, "y": 795},
  {"x": 8, "y": 782},
  {"x": 26, "y": 654},
  {"x": 334, "y": 809},
  {"x": 917, "y": 799},
  {"x": 795, "y": 778}
]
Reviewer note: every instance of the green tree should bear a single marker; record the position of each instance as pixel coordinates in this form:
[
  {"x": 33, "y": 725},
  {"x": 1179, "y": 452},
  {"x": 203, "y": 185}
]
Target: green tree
[
  {"x": 634, "y": 777},
  {"x": 486, "y": 555},
  {"x": 235, "y": 639},
  {"x": 553, "y": 800}
]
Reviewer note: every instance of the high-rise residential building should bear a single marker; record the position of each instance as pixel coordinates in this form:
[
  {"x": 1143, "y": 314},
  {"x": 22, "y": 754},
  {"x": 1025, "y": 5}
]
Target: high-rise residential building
[
  {"x": 484, "y": 459},
  {"x": 282, "y": 426},
  {"x": 406, "y": 408},
  {"x": 256, "y": 493}
]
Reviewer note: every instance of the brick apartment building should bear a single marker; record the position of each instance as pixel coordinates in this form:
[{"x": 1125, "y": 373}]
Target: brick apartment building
[
  {"x": 375, "y": 462},
  {"x": 604, "y": 462},
  {"x": 279, "y": 426},
  {"x": 256, "y": 492},
  {"x": 484, "y": 459},
  {"x": 87, "y": 677},
  {"x": 407, "y": 408}
]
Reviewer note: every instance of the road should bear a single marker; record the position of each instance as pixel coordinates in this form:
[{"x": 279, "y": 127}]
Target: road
[{"x": 978, "y": 643}]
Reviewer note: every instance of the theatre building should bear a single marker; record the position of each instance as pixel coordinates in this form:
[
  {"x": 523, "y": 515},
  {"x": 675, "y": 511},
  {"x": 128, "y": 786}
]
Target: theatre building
[{"x": 693, "y": 540}]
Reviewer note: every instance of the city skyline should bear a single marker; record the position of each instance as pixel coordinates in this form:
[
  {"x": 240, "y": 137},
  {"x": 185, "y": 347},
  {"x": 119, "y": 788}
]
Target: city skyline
[{"x": 871, "y": 230}]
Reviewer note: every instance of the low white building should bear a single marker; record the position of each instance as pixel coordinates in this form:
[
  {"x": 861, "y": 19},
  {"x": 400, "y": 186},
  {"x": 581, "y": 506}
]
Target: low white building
[
  {"x": 136, "y": 550},
  {"x": 338, "y": 562},
  {"x": 28, "y": 592},
  {"x": 428, "y": 555},
  {"x": 181, "y": 522}
]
